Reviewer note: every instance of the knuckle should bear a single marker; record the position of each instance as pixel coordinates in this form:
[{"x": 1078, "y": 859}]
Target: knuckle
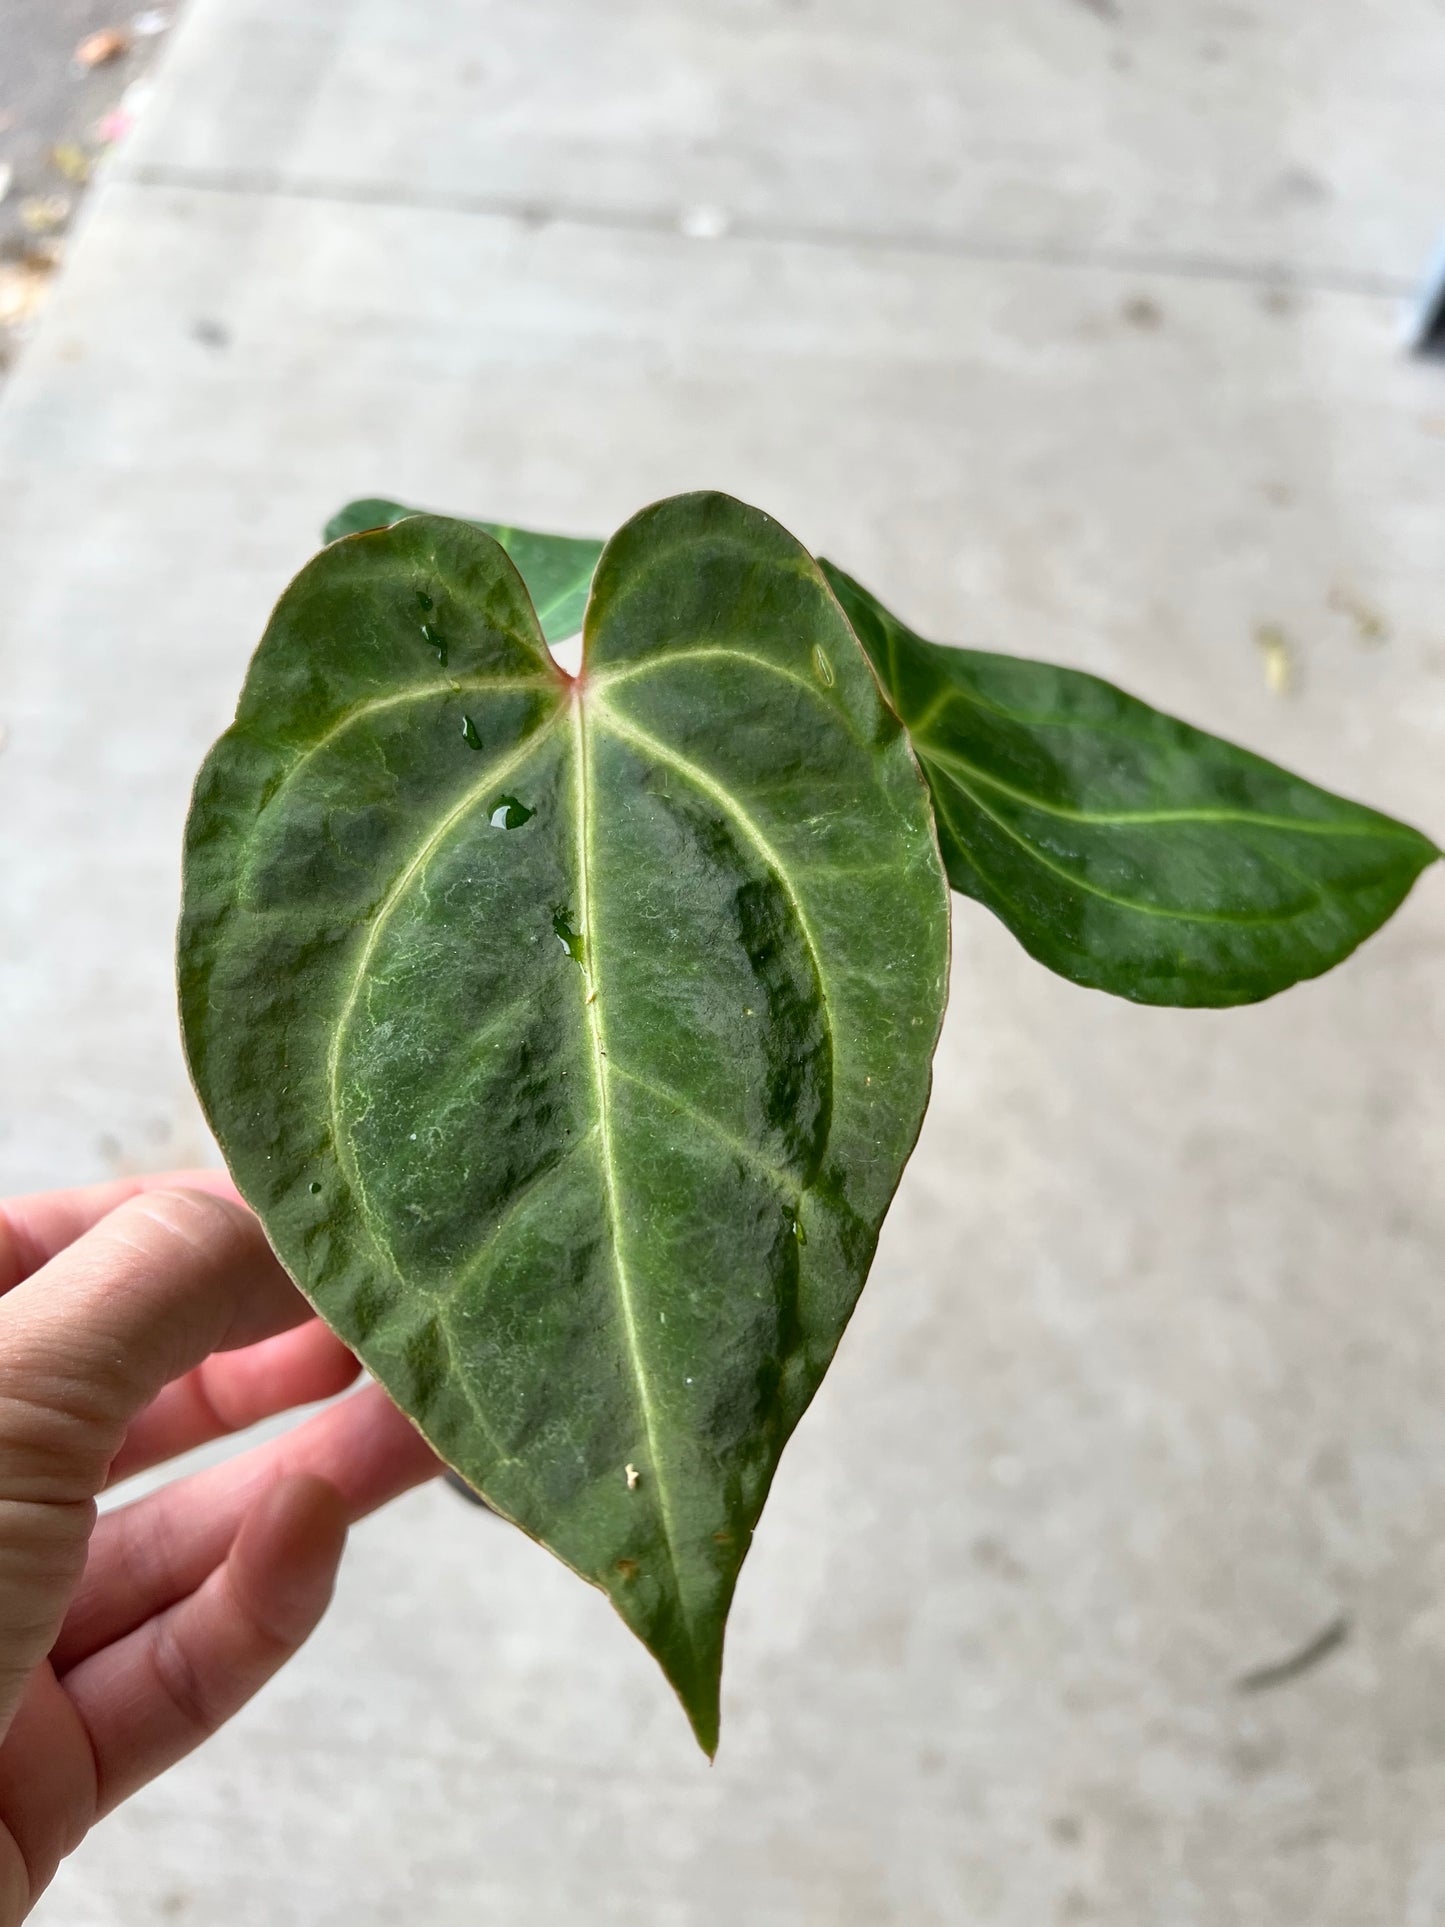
[
  {"x": 183, "y": 1682},
  {"x": 194, "y": 1218}
]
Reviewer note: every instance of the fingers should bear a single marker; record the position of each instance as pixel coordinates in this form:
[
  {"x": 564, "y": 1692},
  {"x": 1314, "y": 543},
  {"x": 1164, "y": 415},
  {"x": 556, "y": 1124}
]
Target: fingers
[
  {"x": 152, "y": 1697},
  {"x": 34, "y": 1228},
  {"x": 232, "y": 1390},
  {"x": 86, "y": 1343},
  {"x": 91, "y": 1338},
  {"x": 146, "y": 1556},
  {"x": 47, "y": 1790}
]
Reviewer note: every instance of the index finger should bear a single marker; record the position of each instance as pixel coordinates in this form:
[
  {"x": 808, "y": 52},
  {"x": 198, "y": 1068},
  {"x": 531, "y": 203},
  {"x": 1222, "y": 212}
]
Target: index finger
[{"x": 34, "y": 1228}]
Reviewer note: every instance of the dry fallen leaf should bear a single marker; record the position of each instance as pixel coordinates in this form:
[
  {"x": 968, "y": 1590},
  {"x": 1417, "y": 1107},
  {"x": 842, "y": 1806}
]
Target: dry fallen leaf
[{"x": 98, "y": 48}]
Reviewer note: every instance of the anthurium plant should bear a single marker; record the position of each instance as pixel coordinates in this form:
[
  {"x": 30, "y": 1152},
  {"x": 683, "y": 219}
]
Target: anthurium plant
[{"x": 570, "y": 1033}]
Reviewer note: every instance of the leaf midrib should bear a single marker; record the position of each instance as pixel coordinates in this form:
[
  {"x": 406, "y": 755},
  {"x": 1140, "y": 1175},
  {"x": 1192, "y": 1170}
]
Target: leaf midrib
[
  {"x": 589, "y": 712},
  {"x": 591, "y": 1009}
]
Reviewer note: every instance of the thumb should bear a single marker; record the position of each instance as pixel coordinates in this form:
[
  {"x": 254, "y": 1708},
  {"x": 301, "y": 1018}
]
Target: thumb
[{"x": 85, "y": 1343}]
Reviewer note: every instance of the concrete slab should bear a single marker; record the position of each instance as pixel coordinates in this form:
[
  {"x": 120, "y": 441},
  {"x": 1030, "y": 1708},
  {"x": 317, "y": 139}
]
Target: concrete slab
[
  {"x": 1144, "y": 1391},
  {"x": 1213, "y": 134}
]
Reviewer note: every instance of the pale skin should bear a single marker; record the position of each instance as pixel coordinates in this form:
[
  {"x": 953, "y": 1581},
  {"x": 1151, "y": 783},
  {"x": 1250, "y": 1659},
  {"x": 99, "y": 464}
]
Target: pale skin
[{"x": 139, "y": 1319}]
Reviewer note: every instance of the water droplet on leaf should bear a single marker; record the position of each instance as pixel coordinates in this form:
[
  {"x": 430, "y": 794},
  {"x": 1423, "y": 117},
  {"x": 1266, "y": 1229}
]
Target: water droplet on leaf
[
  {"x": 470, "y": 735},
  {"x": 509, "y": 814},
  {"x": 424, "y": 601},
  {"x": 315, "y": 1190},
  {"x": 437, "y": 640},
  {"x": 798, "y": 1231},
  {"x": 823, "y": 666},
  {"x": 570, "y": 939}
]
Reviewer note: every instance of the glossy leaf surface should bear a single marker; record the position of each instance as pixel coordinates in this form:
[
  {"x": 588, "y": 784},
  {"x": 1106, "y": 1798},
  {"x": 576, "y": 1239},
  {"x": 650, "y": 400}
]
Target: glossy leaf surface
[
  {"x": 557, "y": 569},
  {"x": 1128, "y": 851},
  {"x": 570, "y": 1039}
]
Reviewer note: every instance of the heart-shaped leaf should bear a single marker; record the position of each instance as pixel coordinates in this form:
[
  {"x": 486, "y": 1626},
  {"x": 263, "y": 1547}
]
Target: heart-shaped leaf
[
  {"x": 1126, "y": 850},
  {"x": 557, "y": 569},
  {"x": 570, "y": 1039}
]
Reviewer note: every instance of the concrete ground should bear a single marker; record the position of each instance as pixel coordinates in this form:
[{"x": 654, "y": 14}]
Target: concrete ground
[
  {"x": 72, "y": 75},
  {"x": 1070, "y": 326}
]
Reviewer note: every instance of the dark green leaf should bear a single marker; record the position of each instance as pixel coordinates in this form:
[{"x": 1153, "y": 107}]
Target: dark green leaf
[
  {"x": 572, "y": 1078},
  {"x": 1126, "y": 850},
  {"x": 557, "y": 569}
]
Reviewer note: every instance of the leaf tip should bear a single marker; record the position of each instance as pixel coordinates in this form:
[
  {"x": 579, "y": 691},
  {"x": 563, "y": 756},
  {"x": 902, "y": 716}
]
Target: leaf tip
[{"x": 705, "y": 1718}]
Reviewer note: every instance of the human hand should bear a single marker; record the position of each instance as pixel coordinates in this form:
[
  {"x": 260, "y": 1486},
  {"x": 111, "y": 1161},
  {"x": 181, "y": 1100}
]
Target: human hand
[{"x": 126, "y": 1642}]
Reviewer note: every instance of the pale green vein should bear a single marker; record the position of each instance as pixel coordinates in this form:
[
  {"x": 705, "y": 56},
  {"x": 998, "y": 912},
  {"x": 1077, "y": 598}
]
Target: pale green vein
[
  {"x": 740, "y": 1149},
  {"x": 519, "y": 1197},
  {"x": 606, "y": 678},
  {"x": 546, "y": 610},
  {"x": 917, "y": 724},
  {"x": 464, "y": 1062},
  {"x": 483, "y": 686},
  {"x": 592, "y": 1010},
  {"x": 461, "y": 1377},
  {"x": 495, "y": 773},
  {"x": 1025, "y": 718},
  {"x": 731, "y": 806},
  {"x": 1239, "y": 920},
  {"x": 1306, "y": 826}
]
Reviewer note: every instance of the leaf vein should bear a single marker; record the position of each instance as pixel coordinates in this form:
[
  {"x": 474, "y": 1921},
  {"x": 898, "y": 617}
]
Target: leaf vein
[
  {"x": 738, "y": 1146},
  {"x": 1258, "y": 819},
  {"x": 1109, "y": 896},
  {"x": 592, "y": 1015},
  {"x": 495, "y": 772},
  {"x": 639, "y": 738},
  {"x": 606, "y": 678}
]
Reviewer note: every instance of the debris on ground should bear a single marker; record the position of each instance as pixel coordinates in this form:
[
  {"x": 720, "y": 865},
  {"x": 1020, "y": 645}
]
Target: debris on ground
[
  {"x": 42, "y": 213},
  {"x": 1282, "y": 1671},
  {"x": 1370, "y": 629},
  {"x": 23, "y": 287},
  {"x": 99, "y": 49},
  {"x": 1424, "y": 324},
  {"x": 1277, "y": 653},
  {"x": 114, "y": 126},
  {"x": 71, "y": 161},
  {"x": 78, "y": 91}
]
